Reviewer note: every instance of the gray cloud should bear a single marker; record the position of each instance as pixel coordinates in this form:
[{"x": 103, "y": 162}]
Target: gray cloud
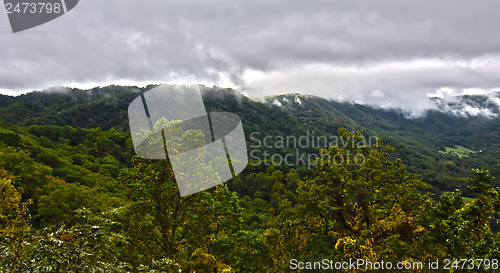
[{"x": 385, "y": 52}]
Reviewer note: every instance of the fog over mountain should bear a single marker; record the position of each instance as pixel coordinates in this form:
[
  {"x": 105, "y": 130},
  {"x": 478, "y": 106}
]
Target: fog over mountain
[
  {"x": 470, "y": 105},
  {"x": 485, "y": 105}
]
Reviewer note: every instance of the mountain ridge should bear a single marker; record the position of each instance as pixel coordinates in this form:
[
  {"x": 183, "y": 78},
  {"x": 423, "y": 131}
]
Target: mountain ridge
[{"x": 423, "y": 143}]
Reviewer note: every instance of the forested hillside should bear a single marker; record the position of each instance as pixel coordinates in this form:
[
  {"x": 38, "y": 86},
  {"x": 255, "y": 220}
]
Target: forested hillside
[
  {"x": 427, "y": 144},
  {"x": 75, "y": 198}
]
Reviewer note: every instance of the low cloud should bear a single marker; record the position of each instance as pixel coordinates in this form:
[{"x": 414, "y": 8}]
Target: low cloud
[{"x": 384, "y": 52}]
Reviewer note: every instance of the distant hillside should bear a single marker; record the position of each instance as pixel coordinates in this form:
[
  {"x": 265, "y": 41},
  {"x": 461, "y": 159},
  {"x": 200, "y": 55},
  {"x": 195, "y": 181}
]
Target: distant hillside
[
  {"x": 422, "y": 142},
  {"x": 427, "y": 145},
  {"x": 471, "y": 105},
  {"x": 107, "y": 107}
]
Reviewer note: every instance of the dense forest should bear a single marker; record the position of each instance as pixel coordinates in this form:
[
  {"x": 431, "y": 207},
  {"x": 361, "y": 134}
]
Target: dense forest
[{"x": 75, "y": 198}]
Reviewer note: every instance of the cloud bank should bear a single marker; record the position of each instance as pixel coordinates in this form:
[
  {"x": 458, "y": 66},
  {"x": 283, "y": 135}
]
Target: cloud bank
[{"x": 383, "y": 52}]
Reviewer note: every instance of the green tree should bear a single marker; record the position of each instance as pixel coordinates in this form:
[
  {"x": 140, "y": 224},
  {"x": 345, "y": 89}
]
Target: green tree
[
  {"x": 462, "y": 229},
  {"x": 14, "y": 225},
  {"x": 371, "y": 208},
  {"x": 91, "y": 244},
  {"x": 192, "y": 232}
]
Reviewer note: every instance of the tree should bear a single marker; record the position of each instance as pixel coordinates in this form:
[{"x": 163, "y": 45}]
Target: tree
[
  {"x": 14, "y": 224},
  {"x": 360, "y": 204},
  {"x": 91, "y": 244},
  {"x": 192, "y": 232},
  {"x": 460, "y": 229}
]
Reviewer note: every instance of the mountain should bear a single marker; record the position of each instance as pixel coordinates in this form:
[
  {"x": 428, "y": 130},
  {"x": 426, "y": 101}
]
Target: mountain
[
  {"x": 426, "y": 144},
  {"x": 106, "y": 108},
  {"x": 442, "y": 146},
  {"x": 75, "y": 198},
  {"x": 470, "y": 105}
]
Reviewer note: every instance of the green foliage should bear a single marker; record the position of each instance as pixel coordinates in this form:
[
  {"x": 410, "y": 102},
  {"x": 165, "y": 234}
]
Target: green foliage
[
  {"x": 89, "y": 245},
  {"x": 419, "y": 140},
  {"x": 372, "y": 210},
  {"x": 192, "y": 233},
  {"x": 14, "y": 224},
  {"x": 77, "y": 200},
  {"x": 464, "y": 229}
]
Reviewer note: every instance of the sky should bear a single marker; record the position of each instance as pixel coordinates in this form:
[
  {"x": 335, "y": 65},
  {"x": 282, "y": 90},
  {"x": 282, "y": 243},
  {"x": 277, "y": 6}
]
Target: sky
[{"x": 386, "y": 53}]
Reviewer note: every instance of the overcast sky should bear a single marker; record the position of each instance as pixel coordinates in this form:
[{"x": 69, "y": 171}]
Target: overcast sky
[{"x": 380, "y": 52}]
